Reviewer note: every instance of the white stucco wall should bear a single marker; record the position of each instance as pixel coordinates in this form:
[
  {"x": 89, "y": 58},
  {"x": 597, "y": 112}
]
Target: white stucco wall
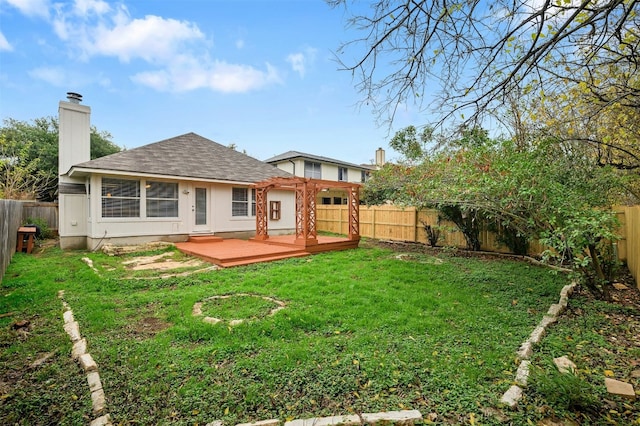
[
  {"x": 296, "y": 168},
  {"x": 328, "y": 171},
  {"x": 219, "y": 213},
  {"x": 100, "y": 227}
]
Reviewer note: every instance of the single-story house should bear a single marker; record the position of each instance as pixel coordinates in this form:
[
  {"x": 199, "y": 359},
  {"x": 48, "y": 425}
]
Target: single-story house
[
  {"x": 164, "y": 191},
  {"x": 319, "y": 167}
]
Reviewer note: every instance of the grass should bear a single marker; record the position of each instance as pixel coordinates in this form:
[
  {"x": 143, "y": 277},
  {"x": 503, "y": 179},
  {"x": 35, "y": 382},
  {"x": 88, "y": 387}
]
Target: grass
[
  {"x": 238, "y": 307},
  {"x": 363, "y": 331}
]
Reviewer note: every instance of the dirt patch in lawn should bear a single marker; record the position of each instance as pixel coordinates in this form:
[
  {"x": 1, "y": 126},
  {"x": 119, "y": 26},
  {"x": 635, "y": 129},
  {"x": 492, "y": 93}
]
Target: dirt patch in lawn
[
  {"x": 148, "y": 327},
  {"x": 145, "y": 321},
  {"x": 113, "y": 250}
]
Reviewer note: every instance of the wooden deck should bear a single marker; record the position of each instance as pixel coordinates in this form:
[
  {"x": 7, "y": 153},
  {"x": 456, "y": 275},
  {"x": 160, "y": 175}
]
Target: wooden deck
[{"x": 235, "y": 252}]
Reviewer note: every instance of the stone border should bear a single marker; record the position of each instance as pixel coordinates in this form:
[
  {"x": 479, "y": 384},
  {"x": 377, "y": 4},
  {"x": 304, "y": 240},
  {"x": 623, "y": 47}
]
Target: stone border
[
  {"x": 89, "y": 263},
  {"x": 197, "y": 307},
  {"x": 79, "y": 353},
  {"x": 405, "y": 417},
  {"x": 513, "y": 395}
]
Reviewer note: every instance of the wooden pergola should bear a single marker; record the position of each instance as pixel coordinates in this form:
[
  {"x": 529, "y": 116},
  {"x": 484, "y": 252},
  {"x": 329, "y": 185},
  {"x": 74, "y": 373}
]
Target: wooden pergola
[{"x": 306, "y": 191}]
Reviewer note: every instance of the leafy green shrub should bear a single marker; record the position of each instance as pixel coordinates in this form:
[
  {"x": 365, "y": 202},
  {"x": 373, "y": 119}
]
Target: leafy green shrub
[
  {"x": 433, "y": 233},
  {"x": 511, "y": 237},
  {"x": 609, "y": 260},
  {"x": 45, "y": 231}
]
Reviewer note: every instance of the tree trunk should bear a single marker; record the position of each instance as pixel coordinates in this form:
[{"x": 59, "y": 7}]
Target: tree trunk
[{"x": 600, "y": 278}]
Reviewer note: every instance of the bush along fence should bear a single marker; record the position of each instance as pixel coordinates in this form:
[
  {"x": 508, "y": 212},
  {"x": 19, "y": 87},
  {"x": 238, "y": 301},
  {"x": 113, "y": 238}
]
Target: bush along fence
[
  {"x": 10, "y": 220},
  {"x": 395, "y": 223},
  {"x": 44, "y": 214}
]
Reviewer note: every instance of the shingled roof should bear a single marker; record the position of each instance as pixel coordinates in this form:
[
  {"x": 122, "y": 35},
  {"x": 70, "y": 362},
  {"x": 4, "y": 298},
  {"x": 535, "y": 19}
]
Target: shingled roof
[
  {"x": 290, "y": 155},
  {"x": 185, "y": 156}
]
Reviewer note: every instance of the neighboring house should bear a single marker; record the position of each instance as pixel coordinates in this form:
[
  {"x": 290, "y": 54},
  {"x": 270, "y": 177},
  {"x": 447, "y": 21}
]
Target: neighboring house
[
  {"x": 317, "y": 167},
  {"x": 164, "y": 191}
]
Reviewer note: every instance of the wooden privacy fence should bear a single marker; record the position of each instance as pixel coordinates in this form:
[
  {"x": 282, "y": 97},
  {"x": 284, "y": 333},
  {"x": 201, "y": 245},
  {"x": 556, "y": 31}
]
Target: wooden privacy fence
[
  {"x": 390, "y": 222},
  {"x": 47, "y": 212},
  {"x": 629, "y": 243},
  {"x": 10, "y": 218}
]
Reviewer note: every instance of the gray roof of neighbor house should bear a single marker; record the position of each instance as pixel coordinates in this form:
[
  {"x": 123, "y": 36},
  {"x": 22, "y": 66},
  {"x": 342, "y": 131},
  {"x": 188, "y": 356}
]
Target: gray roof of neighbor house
[
  {"x": 185, "y": 156},
  {"x": 290, "y": 155}
]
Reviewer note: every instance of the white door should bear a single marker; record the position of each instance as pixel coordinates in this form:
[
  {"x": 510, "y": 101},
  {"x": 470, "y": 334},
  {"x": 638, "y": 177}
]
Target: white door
[{"x": 200, "y": 209}]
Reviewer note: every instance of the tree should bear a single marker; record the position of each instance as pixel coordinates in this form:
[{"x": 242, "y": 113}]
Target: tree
[
  {"x": 20, "y": 177},
  {"x": 479, "y": 52},
  {"x": 609, "y": 132},
  {"x": 30, "y": 153},
  {"x": 412, "y": 144},
  {"x": 560, "y": 198}
]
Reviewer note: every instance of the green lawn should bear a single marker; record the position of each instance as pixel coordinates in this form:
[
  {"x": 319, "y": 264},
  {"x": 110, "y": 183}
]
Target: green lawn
[{"x": 362, "y": 331}]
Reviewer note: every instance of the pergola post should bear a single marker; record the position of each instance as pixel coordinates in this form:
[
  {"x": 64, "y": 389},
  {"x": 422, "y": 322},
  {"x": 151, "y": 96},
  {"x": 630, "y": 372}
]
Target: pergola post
[
  {"x": 354, "y": 213},
  {"x": 262, "y": 232},
  {"x": 306, "y": 233}
]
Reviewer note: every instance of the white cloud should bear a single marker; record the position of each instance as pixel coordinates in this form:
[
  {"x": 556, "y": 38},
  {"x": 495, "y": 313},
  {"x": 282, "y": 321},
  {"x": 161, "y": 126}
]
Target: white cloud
[
  {"x": 297, "y": 63},
  {"x": 301, "y": 60},
  {"x": 4, "y": 44},
  {"x": 219, "y": 76},
  {"x": 55, "y": 76},
  {"x": 112, "y": 32},
  {"x": 175, "y": 53},
  {"x": 87, "y": 7},
  {"x": 39, "y": 8},
  {"x": 152, "y": 39}
]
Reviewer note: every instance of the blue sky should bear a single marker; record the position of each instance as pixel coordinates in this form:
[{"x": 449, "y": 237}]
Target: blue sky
[{"x": 258, "y": 74}]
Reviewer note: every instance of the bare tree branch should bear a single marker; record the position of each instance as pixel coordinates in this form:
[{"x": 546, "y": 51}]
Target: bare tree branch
[{"x": 476, "y": 52}]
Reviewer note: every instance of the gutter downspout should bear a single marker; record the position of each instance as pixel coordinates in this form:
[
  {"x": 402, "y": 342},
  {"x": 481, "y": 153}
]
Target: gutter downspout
[{"x": 294, "y": 166}]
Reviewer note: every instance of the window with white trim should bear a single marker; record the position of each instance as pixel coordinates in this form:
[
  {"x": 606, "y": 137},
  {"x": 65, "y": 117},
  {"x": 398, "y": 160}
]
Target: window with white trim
[
  {"x": 162, "y": 199},
  {"x": 312, "y": 170},
  {"x": 120, "y": 198},
  {"x": 240, "y": 202}
]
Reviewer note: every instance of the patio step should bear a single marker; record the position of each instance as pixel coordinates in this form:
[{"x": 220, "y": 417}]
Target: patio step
[{"x": 204, "y": 239}]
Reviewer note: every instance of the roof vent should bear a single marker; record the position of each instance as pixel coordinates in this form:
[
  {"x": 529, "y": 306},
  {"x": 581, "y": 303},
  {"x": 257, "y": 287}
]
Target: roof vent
[{"x": 74, "y": 98}]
